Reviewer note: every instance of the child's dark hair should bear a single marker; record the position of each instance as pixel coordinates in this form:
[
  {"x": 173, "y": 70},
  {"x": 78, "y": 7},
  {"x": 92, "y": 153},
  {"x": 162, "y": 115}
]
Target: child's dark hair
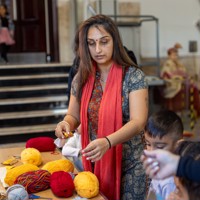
[
  {"x": 164, "y": 122},
  {"x": 190, "y": 148}
]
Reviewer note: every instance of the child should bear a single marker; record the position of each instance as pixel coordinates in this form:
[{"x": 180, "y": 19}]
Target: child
[
  {"x": 163, "y": 130},
  {"x": 6, "y": 35},
  {"x": 186, "y": 188},
  {"x": 71, "y": 147}
]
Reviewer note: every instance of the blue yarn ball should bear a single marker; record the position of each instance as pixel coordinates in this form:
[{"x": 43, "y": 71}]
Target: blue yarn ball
[{"x": 17, "y": 192}]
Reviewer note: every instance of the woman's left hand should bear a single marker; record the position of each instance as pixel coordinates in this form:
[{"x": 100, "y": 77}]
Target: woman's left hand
[{"x": 96, "y": 149}]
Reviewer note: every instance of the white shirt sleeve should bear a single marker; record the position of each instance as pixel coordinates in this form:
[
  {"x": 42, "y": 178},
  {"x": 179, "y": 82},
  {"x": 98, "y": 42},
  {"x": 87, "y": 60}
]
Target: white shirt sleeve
[{"x": 59, "y": 142}]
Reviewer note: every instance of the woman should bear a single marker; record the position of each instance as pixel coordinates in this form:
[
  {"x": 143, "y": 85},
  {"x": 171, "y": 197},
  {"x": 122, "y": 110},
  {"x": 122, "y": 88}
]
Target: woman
[
  {"x": 109, "y": 97},
  {"x": 6, "y": 35}
]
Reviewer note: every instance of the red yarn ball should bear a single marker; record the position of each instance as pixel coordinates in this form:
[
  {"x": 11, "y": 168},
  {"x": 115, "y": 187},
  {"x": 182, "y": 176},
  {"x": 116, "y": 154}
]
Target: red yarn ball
[
  {"x": 62, "y": 184},
  {"x": 41, "y": 144}
]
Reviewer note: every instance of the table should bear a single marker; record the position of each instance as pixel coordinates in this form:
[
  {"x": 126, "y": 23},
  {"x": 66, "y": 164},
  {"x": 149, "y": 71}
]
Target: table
[
  {"x": 153, "y": 81},
  {"x": 46, "y": 157}
]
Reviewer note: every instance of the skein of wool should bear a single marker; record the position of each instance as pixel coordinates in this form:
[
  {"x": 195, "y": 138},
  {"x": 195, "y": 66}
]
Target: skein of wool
[
  {"x": 62, "y": 184},
  {"x": 86, "y": 184},
  {"x": 34, "y": 181},
  {"x": 31, "y": 156},
  {"x": 41, "y": 144},
  {"x": 59, "y": 165},
  {"x": 13, "y": 173},
  {"x": 17, "y": 192}
]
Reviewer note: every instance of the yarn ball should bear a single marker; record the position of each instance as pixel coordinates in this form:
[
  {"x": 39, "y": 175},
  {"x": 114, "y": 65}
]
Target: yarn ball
[
  {"x": 13, "y": 173},
  {"x": 42, "y": 144},
  {"x": 59, "y": 165},
  {"x": 86, "y": 184},
  {"x": 17, "y": 192},
  {"x": 31, "y": 156},
  {"x": 35, "y": 181},
  {"x": 62, "y": 184}
]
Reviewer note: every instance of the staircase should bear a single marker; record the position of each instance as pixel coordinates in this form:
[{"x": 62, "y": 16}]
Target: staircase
[{"x": 33, "y": 100}]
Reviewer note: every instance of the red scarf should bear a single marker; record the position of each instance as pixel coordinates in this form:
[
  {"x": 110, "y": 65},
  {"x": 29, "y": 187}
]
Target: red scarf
[{"x": 108, "y": 169}]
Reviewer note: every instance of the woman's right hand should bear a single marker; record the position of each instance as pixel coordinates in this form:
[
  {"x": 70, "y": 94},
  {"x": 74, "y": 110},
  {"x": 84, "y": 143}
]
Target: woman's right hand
[{"x": 61, "y": 128}]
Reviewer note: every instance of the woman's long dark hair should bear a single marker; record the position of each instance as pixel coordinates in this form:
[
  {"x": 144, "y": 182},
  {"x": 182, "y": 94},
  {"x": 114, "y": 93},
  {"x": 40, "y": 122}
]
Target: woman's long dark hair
[{"x": 82, "y": 51}]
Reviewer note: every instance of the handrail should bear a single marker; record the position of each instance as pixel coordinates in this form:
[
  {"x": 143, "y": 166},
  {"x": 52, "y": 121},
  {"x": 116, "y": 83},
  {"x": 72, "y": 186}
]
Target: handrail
[
  {"x": 91, "y": 9},
  {"x": 134, "y": 16}
]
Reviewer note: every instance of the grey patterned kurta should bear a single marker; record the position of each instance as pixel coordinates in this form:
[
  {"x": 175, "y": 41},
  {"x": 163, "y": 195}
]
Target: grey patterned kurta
[{"x": 134, "y": 184}]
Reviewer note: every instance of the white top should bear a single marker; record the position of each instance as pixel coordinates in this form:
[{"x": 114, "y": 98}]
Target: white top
[
  {"x": 162, "y": 187},
  {"x": 71, "y": 146}
]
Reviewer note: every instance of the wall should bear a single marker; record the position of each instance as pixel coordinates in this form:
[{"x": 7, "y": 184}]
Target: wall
[
  {"x": 66, "y": 30},
  {"x": 177, "y": 23},
  {"x": 177, "y": 20}
]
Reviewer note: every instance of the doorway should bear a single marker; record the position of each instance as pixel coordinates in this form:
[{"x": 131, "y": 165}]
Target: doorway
[{"x": 35, "y": 31}]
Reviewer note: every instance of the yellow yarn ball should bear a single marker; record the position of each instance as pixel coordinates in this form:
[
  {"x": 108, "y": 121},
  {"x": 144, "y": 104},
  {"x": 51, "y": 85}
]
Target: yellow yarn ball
[
  {"x": 59, "y": 165},
  {"x": 13, "y": 173},
  {"x": 31, "y": 156},
  {"x": 86, "y": 184}
]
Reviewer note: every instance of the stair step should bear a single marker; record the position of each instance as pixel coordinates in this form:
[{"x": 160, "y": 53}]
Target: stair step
[
  {"x": 29, "y": 114},
  {"x": 27, "y": 129},
  {"x": 33, "y": 87},
  {"x": 34, "y": 100},
  {"x": 24, "y": 77},
  {"x": 48, "y": 65}
]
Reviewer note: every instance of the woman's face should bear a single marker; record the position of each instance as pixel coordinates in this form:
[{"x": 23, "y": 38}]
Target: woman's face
[
  {"x": 2, "y": 11},
  {"x": 100, "y": 45}
]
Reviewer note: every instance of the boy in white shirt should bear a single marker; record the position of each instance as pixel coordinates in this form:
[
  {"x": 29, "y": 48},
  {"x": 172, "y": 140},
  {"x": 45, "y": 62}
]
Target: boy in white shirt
[{"x": 163, "y": 130}]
